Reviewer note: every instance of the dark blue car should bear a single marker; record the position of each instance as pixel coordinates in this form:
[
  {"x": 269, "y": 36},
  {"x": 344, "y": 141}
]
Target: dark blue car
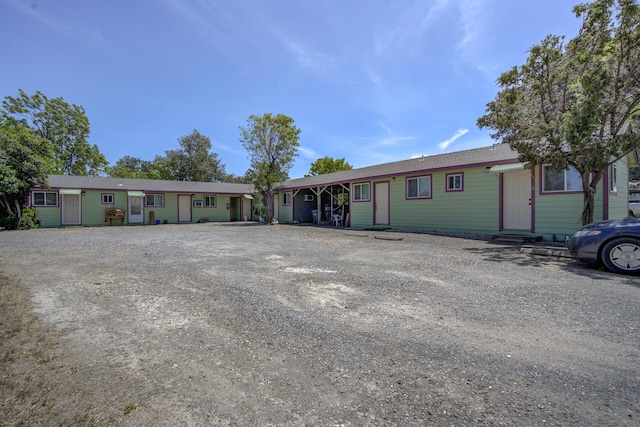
[{"x": 614, "y": 243}]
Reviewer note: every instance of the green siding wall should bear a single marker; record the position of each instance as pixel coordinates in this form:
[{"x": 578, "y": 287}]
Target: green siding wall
[
  {"x": 285, "y": 212},
  {"x": 475, "y": 209},
  {"x": 619, "y": 201},
  {"x": 49, "y": 217},
  {"x": 93, "y": 211},
  {"x": 560, "y": 213}
]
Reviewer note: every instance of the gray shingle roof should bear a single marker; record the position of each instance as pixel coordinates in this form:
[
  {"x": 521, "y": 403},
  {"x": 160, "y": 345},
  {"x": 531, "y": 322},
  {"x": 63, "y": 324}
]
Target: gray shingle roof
[
  {"x": 147, "y": 185},
  {"x": 485, "y": 156}
]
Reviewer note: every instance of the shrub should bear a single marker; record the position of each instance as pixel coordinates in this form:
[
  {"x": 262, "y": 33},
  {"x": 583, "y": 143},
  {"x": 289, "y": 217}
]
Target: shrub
[
  {"x": 9, "y": 222},
  {"x": 29, "y": 219}
]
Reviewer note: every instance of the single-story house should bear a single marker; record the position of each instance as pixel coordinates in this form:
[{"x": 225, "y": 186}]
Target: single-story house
[
  {"x": 484, "y": 190},
  {"x": 96, "y": 201}
]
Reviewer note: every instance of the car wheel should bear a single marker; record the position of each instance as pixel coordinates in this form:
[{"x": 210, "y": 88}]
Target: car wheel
[{"x": 622, "y": 255}]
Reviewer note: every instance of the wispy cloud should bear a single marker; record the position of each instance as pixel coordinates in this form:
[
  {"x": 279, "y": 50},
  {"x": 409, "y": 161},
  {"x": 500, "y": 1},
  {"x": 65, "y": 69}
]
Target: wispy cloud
[
  {"x": 89, "y": 35},
  {"x": 477, "y": 18},
  {"x": 307, "y": 153},
  {"x": 391, "y": 138},
  {"x": 409, "y": 27},
  {"x": 460, "y": 132}
]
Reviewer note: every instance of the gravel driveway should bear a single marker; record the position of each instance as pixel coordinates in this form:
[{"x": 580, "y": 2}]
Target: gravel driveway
[{"x": 239, "y": 324}]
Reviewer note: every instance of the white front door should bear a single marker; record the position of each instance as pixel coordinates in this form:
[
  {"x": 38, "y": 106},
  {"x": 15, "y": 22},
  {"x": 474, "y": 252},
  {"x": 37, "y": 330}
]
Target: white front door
[
  {"x": 516, "y": 205},
  {"x": 184, "y": 208},
  {"x": 381, "y": 203},
  {"x": 71, "y": 209},
  {"x": 136, "y": 210}
]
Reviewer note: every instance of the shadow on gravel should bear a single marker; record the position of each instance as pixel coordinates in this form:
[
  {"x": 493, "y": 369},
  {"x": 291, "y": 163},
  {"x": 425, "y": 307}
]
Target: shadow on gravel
[{"x": 512, "y": 254}]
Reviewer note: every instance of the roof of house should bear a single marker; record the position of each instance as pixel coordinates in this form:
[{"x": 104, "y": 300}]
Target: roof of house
[
  {"x": 485, "y": 156},
  {"x": 146, "y": 185}
]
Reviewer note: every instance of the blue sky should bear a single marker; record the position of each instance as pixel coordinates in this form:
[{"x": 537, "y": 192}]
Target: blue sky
[{"x": 369, "y": 80}]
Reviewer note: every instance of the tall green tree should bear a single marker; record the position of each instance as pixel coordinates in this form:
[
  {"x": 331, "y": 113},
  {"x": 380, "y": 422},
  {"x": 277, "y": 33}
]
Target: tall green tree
[
  {"x": 193, "y": 161},
  {"x": 328, "y": 164},
  {"x": 576, "y": 104},
  {"x": 133, "y": 167},
  {"x": 237, "y": 179},
  {"x": 24, "y": 163},
  {"x": 271, "y": 143},
  {"x": 65, "y": 126}
]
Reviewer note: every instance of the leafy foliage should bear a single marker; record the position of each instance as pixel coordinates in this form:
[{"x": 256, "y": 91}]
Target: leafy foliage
[
  {"x": 24, "y": 163},
  {"x": 133, "y": 167},
  {"x": 193, "y": 161},
  {"x": 65, "y": 126},
  {"x": 575, "y": 104},
  {"x": 328, "y": 164},
  {"x": 271, "y": 142},
  {"x": 237, "y": 179},
  {"x": 29, "y": 219},
  {"x": 634, "y": 173}
]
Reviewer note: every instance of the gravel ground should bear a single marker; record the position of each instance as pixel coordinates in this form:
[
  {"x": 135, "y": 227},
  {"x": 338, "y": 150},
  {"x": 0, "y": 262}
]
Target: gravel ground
[{"x": 239, "y": 324}]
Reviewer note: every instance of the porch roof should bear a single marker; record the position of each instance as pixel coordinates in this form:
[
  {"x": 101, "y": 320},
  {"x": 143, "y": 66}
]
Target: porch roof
[{"x": 486, "y": 156}]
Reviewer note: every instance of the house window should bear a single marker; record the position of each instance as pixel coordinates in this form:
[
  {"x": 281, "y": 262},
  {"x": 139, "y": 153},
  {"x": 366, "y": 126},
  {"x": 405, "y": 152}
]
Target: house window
[
  {"x": 45, "y": 198},
  {"x": 563, "y": 180},
  {"x": 454, "y": 182},
  {"x": 613, "y": 178},
  {"x": 209, "y": 201},
  {"x": 107, "y": 198},
  {"x": 361, "y": 192},
  {"x": 155, "y": 199},
  {"x": 419, "y": 187},
  {"x": 286, "y": 199}
]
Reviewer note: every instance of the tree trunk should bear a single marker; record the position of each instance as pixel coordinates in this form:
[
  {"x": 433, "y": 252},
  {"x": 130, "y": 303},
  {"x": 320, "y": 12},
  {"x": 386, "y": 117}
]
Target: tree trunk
[
  {"x": 588, "y": 206},
  {"x": 589, "y": 195},
  {"x": 6, "y": 204},
  {"x": 268, "y": 202}
]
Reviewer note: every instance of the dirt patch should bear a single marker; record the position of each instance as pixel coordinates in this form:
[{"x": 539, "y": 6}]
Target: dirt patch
[
  {"x": 35, "y": 377},
  {"x": 214, "y": 324}
]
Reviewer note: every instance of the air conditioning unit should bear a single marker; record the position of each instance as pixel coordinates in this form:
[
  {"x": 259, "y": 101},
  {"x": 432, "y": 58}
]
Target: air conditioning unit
[{"x": 308, "y": 197}]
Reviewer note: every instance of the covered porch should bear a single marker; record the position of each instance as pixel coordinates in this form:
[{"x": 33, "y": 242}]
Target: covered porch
[{"x": 326, "y": 205}]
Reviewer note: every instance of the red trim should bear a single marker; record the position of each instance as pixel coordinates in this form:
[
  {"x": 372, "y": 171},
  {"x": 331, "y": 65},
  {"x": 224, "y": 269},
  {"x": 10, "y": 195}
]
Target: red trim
[
  {"x": 420, "y": 172},
  {"x": 353, "y": 184},
  {"x": 406, "y": 187},
  {"x": 113, "y": 197},
  {"x": 45, "y": 198},
  {"x": 532, "y": 199},
  {"x": 500, "y": 201},
  {"x": 375, "y": 222},
  {"x": 551, "y": 193},
  {"x": 446, "y": 182},
  {"x": 190, "y": 206}
]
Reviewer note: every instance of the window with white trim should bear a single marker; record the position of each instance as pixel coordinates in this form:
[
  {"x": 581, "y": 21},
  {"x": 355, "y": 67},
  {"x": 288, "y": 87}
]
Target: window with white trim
[
  {"x": 107, "y": 198},
  {"x": 361, "y": 192},
  {"x": 563, "y": 180},
  {"x": 286, "y": 199},
  {"x": 155, "y": 199},
  {"x": 454, "y": 182},
  {"x": 44, "y": 198},
  {"x": 209, "y": 201},
  {"x": 419, "y": 187}
]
